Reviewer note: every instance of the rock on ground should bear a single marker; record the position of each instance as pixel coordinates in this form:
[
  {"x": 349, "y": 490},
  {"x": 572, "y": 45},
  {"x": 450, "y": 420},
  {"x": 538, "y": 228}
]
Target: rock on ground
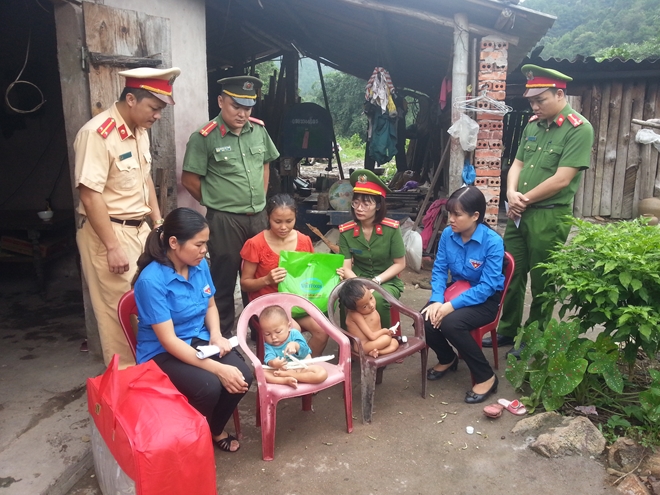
[{"x": 578, "y": 436}]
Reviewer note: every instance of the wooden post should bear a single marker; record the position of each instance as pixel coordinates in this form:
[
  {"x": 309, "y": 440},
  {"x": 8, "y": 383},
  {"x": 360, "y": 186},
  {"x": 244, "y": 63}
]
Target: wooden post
[
  {"x": 77, "y": 110},
  {"x": 458, "y": 90}
]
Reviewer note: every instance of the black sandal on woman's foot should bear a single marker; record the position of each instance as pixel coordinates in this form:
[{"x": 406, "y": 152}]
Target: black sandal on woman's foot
[
  {"x": 432, "y": 374},
  {"x": 225, "y": 443}
]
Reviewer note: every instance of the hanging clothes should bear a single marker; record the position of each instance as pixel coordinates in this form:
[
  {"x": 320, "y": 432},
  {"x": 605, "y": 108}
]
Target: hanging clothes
[
  {"x": 380, "y": 90},
  {"x": 382, "y": 146}
]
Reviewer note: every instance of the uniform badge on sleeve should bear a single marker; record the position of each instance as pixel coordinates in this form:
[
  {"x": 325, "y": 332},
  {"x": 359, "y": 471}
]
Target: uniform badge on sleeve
[
  {"x": 476, "y": 264},
  {"x": 207, "y": 289}
]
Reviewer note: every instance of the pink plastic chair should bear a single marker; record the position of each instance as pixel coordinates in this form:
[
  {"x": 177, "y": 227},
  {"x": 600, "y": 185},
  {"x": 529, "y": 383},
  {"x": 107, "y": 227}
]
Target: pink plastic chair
[
  {"x": 372, "y": 368},
  {"x": 128, "y": 307},
  {"x": 269, "y": 394}
]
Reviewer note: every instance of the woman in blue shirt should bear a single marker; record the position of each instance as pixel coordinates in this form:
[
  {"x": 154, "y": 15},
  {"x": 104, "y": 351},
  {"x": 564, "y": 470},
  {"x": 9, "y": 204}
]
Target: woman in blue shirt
[
  {"x": 177, "y": 313},
  {"x": 470, "y": 251}
]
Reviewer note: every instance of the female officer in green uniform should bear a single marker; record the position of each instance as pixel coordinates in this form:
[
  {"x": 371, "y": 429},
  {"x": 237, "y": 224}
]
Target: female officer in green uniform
[{"x": 372, "y": 244}]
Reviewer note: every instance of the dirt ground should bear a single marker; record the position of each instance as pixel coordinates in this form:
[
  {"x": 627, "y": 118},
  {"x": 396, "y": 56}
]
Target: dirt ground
[{"x": 413, "y": 446}]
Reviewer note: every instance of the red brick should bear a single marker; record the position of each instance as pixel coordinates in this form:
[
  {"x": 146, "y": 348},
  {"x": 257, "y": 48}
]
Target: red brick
[
  {"x": 481, "y": 182},
  {"x": 498, "y": 86},
  {"x": 496, "y": 135},
  {"x": 494, "y": 182},
  {"x": 488, "y": 154},
  {"x": 492, "y": 210},
  {"x": 494, "y": 201},
  {"x": 489, "y": 116},
  {"x": 501, "y": 45},
  {"x": 487, "y": 45},
  {"x": 491, "y": 55},
  {"x": 496, "y": 95},
  {"x": 495, "y": 144},
  {"x": 487, "y": 172},
  {"x": 491, "y": 220},
  {"x": 492, "y": 74}
]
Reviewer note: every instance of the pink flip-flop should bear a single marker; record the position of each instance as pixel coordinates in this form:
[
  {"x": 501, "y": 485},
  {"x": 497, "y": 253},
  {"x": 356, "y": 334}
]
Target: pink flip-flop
[
  {"x": 493, "y": 411},
  {"x": 514, "y": 407}
]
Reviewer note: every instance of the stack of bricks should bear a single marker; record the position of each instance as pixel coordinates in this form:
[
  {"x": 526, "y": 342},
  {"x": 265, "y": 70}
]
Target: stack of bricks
[{"x": 488, "y": 155}]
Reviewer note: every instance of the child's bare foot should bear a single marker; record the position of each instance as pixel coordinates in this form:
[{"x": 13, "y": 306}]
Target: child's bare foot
[
  {"x": 288, "y": 380},
  {"x": 374, "y": 353}
]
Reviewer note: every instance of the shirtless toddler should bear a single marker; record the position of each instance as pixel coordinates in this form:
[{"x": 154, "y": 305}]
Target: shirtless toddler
[{"x": 363, "y": 321}]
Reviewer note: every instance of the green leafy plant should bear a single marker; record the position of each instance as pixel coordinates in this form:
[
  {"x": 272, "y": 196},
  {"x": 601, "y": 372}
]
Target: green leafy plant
[
  {"x": 559, "y": 363},
  {"x": 609, "y": 275}
]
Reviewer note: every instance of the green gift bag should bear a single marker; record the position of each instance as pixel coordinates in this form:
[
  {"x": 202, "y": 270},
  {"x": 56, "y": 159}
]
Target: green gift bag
[{"x": 310, "y": 275}]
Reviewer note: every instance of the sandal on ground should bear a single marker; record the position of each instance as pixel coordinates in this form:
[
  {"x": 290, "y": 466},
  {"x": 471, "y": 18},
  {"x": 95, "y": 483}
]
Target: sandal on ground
[
  {"x": 224, "y": 444},
  {"x": 514, "y": 407},
  {"x": 493, "y": 410}
]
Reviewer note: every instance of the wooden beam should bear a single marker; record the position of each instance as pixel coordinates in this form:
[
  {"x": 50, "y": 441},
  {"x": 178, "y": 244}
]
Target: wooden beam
[
  {"x": 256, "y": 33},
  {"x": 123, "y": 61},
  {"x": 432, "y": 18}
]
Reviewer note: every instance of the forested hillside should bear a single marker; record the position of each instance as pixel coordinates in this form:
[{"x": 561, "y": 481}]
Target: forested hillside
[{"x": 601, "y": 28}]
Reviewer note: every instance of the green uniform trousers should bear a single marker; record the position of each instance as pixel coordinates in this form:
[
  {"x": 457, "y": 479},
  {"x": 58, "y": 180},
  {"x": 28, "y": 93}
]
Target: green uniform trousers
[{"x": 540, "y": 231}]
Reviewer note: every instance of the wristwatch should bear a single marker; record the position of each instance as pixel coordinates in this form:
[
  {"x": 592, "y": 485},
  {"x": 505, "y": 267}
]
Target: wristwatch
[{"x": 376, "y": 279}]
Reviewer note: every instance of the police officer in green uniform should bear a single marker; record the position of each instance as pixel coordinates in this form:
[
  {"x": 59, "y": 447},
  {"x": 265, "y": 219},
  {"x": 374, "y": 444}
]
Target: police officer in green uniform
[
  {"x": 226, "y": 168},
  {"x": 555, "y": 148},
  {"x": 371, "y": 243}
]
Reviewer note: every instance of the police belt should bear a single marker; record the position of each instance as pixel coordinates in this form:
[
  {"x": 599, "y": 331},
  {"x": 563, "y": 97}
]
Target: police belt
[
  {"x": 130, "y": 223},
  {"x": 545, "y": 207}
]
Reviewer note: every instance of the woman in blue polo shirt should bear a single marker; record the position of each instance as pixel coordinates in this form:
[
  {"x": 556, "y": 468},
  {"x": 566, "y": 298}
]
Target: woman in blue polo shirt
[
  {"x": 471, "y": 251},
  {"x": 177, "y": 313}
]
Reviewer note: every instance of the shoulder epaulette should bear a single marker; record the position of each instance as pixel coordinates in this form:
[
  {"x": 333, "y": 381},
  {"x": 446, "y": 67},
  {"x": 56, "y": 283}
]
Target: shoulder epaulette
[
  {"x": 390, "y": 223},
  {"x": 574, "y": 120},
  {"x": 533, "y": 118},
  {"x": 256, "y": 121},
  {"x": 347, "y": 226},
  {"x": 205, "y": 131},
  {"x": 107, "y": 127}
]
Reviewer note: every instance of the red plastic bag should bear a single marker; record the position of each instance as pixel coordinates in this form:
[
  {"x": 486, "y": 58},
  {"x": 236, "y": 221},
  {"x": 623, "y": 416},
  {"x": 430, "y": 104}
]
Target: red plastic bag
[{"x": 159, "y": 440}]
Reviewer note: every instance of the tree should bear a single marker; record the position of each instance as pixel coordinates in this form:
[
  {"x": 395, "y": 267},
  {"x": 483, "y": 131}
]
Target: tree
[
  {"x": 346, "y": 100},
  {"x": 587, "y": 28}
]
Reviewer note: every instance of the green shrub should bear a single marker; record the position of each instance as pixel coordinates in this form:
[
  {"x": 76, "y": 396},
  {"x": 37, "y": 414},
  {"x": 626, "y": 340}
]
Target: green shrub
[
  {"x": 606, "y": 276},
  {"x": 609, "y": 275}
]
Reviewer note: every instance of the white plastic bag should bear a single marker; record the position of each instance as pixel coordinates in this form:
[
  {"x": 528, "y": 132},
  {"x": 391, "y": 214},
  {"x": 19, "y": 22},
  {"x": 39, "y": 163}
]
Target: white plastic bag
[
  {"x": 412, "y": 240},
  {"x": 647, "y": 136},
  {"x": 466, "y": 130}
]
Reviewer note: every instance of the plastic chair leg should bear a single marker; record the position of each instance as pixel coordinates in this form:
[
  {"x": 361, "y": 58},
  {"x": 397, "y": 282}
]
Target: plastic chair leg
[
  {"x": 379, "y": 375},
  {"x": 424, "y": 355},
  {"x": 493, "y": 336},
  {"x": 237, "y": 424},
  {"x": 368, "y": 383},
  {"x": 307, "y": 402},
  {"x": 348, "y": 405},
  {"x": 268, "y": 421}
]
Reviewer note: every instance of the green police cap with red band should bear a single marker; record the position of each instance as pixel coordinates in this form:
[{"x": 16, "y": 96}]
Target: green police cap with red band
[
  {"x": 366, "y": 182},
  {"x": 540, "y": 79}
]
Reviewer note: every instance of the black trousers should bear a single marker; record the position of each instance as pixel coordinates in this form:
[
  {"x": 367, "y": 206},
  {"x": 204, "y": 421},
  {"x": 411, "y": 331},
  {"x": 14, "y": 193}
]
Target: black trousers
[
  {"x": 203, "y": 389},
  {"x": 455, "y": 330},
  {"x": 229, "y": 231}
]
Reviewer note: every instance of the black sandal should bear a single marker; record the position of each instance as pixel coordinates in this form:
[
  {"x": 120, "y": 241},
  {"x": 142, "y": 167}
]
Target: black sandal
[{"x": 224, "y": 444}]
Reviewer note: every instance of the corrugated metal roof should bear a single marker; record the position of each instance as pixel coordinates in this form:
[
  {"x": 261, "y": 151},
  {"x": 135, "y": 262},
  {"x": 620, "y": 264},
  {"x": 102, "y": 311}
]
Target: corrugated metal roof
[
  {"x": 407, "y": 37},
  {"x": 583, "y": 69}
]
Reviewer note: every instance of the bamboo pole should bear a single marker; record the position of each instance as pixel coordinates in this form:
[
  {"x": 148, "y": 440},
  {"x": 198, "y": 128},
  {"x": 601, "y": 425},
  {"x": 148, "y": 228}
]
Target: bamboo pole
[
  {"x": 645, "y": 123},
  {"x": 436, "y": 175},
  {"x": 335, "y": 148}
]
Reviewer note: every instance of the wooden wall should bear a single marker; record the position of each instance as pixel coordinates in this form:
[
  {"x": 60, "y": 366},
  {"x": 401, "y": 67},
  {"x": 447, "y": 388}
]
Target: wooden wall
[{"x": 622, "y": 171}]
